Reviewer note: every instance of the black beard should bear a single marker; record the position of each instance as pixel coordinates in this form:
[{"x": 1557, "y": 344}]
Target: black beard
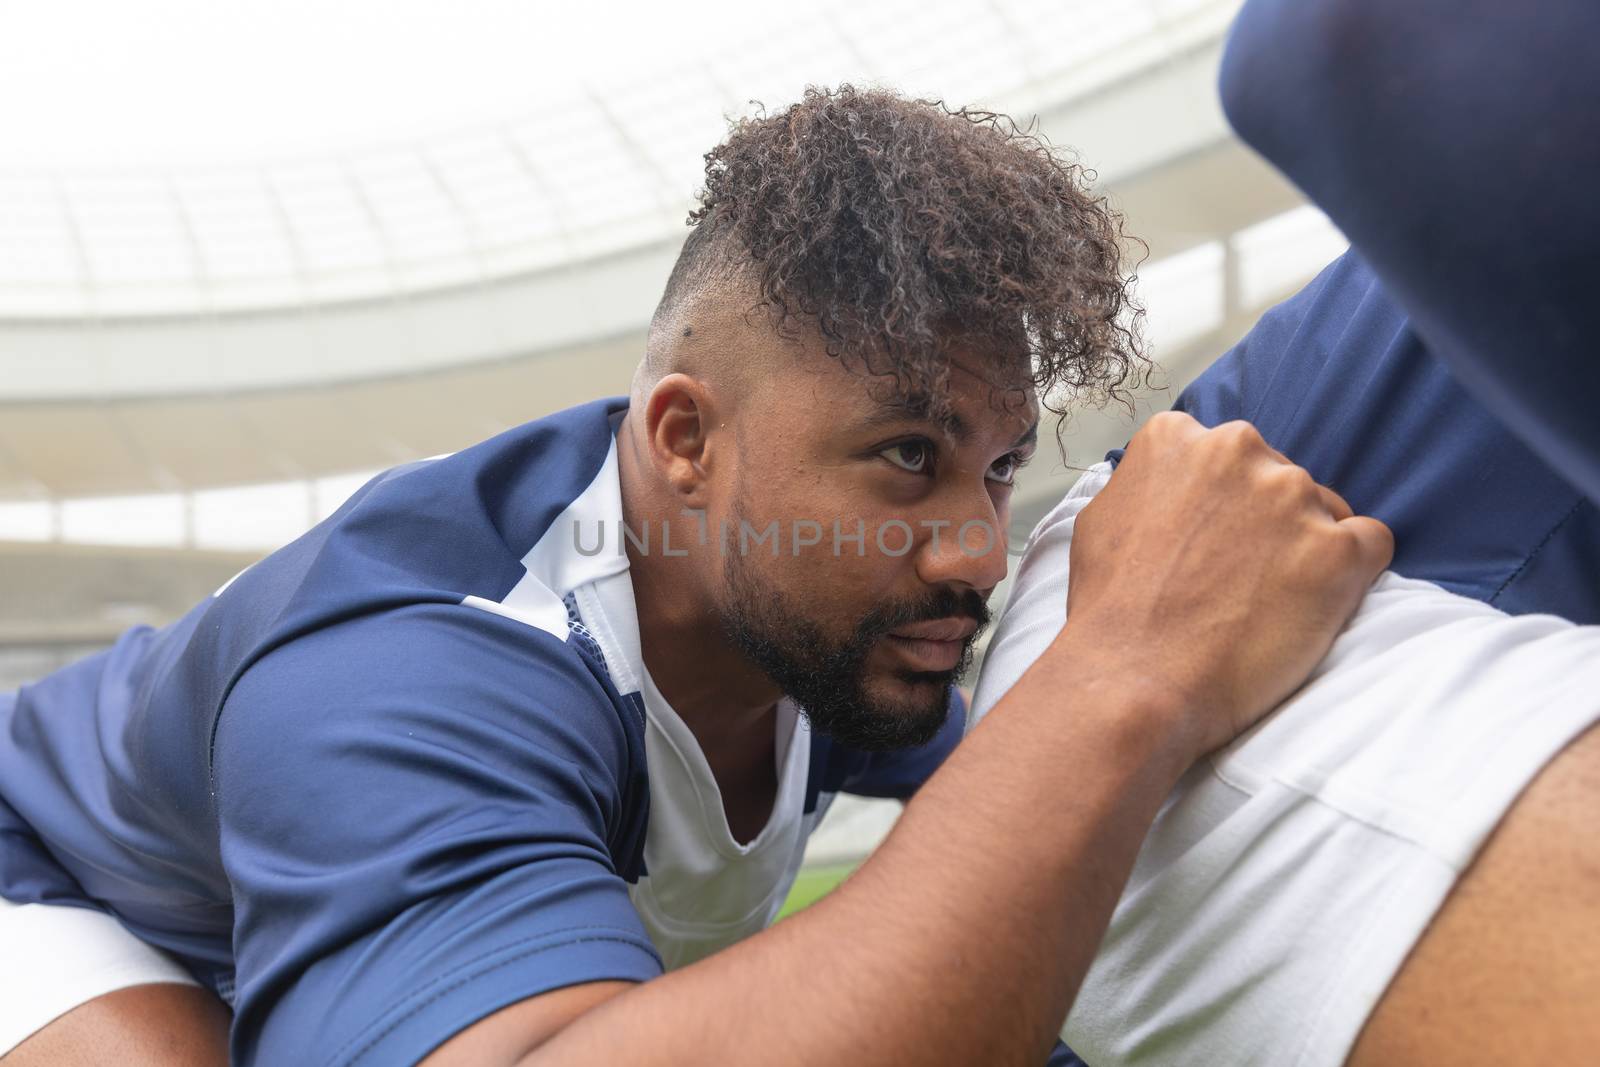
[{"x": 826, "y": 677}]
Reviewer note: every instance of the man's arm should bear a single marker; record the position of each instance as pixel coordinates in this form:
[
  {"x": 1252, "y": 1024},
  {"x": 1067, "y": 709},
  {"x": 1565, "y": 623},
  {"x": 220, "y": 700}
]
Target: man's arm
[
  {"x": 1226, "y": 573},
  {"x": 1456, "y": 143}
]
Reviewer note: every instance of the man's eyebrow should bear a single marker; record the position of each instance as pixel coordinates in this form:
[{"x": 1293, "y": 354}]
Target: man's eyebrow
[{"x": 916, "y": 409}]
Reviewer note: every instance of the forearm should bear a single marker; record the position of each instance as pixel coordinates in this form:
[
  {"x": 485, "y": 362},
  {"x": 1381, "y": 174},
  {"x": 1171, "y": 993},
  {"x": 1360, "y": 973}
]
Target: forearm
[{"x": 962, "y": 939}]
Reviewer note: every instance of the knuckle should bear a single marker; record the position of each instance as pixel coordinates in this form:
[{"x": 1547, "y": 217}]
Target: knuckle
[
  {"x": 1170, "y": 419},
  {"x": 1344, "y": 544},
  {"x": 1385, "y": 535},
  {"x": 1282, "y": 488},
  {"x": 1376, "y": 542},
  {"x": 1168, "y": 425},
  {"x": 1292, "y": 481},
  {"x": 1235, "y": 441},
  {"x": 1239, "y": 432},
  {"x": 1345, "y": 551}
]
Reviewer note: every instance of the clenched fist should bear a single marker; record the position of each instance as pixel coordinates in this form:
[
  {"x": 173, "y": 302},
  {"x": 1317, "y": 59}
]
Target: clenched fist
[{"x": 1215, "y": 572}]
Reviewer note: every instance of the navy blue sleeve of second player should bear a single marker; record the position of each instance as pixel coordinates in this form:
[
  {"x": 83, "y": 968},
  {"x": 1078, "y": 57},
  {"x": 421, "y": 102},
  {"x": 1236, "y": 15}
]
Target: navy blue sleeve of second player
[
  {"x": 1457, "y": 143},
  {"x": 417, "y": 810},
  {"x": 1337, "y": 380}
]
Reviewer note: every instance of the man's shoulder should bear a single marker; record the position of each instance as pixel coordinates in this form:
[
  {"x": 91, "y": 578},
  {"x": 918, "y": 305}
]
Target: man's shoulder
[
  {"x": 497, "y": 498},
  {"x": 453, "y": 665},
  {"x": 505, "y": 491},
  {"x": 1307, "y": 364},
  {"x": 422, "y": 704},
  {"x": 424, "y": 609},
  {"x": 1337, "y": 380},
  {"x": 383, "y": 572}
]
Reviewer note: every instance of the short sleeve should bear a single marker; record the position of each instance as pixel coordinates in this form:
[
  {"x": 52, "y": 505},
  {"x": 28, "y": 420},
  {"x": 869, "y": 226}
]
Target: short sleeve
[
  {"x": 1337, "y": 380},
  {"x": 417, "y": 813}
]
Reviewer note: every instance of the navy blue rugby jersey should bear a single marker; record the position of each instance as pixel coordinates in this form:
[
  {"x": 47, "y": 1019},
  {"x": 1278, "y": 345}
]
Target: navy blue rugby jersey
[
  {"x": 1472, "y": 213},
  {"x": 1456, "y": 142},
  {"x": 1444, "y": 376},
  {"x": 1338, "y": 380},
  {"x": 409, "y": 769}
]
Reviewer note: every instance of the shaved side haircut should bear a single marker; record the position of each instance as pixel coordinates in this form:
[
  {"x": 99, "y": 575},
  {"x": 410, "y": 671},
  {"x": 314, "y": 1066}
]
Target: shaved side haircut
[{"x": 891, "y": 225}]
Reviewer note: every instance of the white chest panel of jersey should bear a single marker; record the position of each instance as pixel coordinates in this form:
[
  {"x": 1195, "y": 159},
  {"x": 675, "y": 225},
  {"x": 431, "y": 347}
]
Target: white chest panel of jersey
[{"x": 701, "y": 890}]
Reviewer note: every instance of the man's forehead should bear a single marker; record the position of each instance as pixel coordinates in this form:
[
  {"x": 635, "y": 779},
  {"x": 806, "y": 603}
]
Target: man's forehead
[
  {"x": 960, "y": 415},
  {"x": 986, "y": 387}
]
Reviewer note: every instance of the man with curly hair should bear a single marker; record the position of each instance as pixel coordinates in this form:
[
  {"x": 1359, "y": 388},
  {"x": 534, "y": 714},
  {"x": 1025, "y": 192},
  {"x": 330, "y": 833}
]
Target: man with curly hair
[{"x": 514, "y": 758}]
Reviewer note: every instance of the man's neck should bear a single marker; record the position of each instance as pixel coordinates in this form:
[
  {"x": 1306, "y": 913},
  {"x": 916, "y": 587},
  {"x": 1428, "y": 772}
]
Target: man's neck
[{"x": 724, "y": 700}]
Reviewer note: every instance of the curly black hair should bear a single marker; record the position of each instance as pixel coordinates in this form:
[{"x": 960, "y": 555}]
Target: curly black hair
[{"x": 892, "y": 225}]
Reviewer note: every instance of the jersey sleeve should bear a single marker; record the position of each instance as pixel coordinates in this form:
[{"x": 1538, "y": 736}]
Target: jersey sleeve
[
  {"x": 417, "y": 811},
  {"x": 1337, "y": 379},
  {"x": 1262, "y": 378},
  {"x": 1456, "y": 143}
]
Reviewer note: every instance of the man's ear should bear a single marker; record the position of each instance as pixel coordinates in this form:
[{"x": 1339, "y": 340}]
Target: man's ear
[{"x": 679, "y": 415}]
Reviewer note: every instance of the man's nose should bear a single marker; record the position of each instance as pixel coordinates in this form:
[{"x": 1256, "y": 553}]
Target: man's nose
[{"x": 968, "y": 550}]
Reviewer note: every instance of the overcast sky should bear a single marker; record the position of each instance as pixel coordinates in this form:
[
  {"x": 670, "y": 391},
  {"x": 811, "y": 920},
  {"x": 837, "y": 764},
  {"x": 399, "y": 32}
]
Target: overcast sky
[{"x": 137, "y": 82}]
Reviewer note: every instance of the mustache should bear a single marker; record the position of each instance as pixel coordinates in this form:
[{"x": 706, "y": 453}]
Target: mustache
[{"x": 941, "y": 603}]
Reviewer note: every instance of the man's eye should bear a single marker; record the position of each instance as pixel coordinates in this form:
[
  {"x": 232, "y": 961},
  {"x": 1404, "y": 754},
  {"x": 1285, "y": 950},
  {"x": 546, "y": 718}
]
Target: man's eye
[
  {"x": 1004, "y": 470},
  {"x": 913, "y": 456}
]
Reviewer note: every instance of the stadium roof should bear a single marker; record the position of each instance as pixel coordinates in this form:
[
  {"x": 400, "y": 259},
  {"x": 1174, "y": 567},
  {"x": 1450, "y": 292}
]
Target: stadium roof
[
  {"x": 206, "y": 336},
  {"x": 170, "y": 159}
]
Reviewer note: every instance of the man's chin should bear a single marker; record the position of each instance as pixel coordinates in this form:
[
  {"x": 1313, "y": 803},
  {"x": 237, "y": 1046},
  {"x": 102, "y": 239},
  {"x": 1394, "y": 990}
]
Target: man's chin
[
  {"x": 905, "y": 694},
  {"x": 885, "y": 711}
]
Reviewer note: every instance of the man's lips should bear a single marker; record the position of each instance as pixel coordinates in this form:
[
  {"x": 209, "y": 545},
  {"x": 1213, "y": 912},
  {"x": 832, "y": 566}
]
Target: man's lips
[
  {"x": 933, "y": 646},
  {"x": 937, "y": 630}
]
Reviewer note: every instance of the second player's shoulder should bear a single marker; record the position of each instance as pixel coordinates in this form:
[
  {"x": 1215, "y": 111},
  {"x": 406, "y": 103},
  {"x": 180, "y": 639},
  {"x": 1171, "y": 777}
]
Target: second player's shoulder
[{"x": 1312, "y": 351}]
